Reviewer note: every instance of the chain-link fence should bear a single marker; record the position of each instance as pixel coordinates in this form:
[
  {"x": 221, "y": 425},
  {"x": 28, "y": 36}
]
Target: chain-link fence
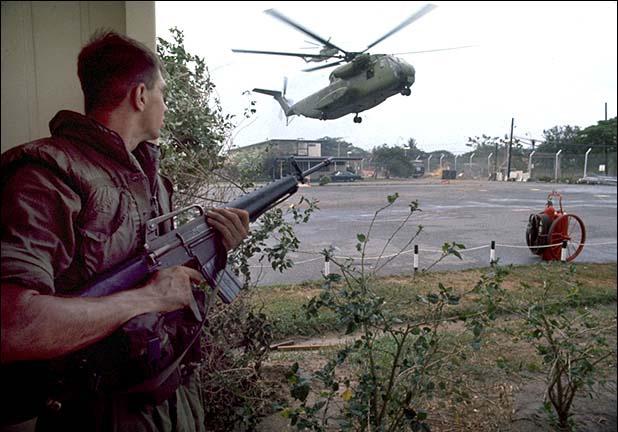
[
  {"x": 539, "y": 166},
  {"x": 571, "y": 167}
]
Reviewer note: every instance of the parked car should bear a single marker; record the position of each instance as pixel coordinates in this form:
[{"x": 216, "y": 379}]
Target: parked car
[
  {"x": 598, "y": 180},
  {"x": 344, "y": 176}
]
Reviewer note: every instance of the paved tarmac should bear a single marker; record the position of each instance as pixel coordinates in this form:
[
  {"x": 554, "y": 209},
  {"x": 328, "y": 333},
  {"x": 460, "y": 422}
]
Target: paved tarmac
[{"x": 472, "y": 213}]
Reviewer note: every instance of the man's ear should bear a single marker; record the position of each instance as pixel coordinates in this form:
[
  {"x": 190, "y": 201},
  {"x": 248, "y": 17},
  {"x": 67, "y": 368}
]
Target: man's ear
[{"x": 139, "y": 97}]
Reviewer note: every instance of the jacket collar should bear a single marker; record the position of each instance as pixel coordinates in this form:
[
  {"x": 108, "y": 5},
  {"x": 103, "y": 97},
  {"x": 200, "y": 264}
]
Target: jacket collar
[{"x": 78, "y": 127}]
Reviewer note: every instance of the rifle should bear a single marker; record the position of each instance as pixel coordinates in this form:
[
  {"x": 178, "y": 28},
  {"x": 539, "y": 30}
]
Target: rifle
[
  {"x": 195, "y": 242},
  {"x": 192, "y": 243}
]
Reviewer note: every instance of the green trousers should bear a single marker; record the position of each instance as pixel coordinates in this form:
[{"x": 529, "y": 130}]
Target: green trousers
[{"x": 183, "y": 412}]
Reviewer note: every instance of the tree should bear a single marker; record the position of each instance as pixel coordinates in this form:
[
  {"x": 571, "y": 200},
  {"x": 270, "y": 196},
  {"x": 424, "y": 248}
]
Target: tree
[
  {"x": 414, "y": 151},
  {"x": 392, "y": 161},
  {"x": 601, "y": 138},
  {"x": 196, "y": 129},
  {"x": 601, "y": 134},
  {"x": 498, "y": 148},
  {"x": 339, "y": 147},
  {"x": 559, "y": 137}
]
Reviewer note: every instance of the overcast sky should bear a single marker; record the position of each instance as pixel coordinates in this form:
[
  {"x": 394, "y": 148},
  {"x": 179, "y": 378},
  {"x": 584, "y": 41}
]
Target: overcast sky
[{"x": 544, "y": 64}]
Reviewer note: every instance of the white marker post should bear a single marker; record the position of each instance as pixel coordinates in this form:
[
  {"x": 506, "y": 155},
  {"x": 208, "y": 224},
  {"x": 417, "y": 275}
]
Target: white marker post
[
  {"x": 563, "y": 252},
  {"x": 415, "y": 258},
  {"x": 492, "y": 253},
  {"x": 326, "y": 266}
]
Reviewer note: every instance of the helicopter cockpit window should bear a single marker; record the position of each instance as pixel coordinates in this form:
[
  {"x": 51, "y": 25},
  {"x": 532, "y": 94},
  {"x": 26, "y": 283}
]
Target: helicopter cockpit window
[{"x": 370, "y": 73}]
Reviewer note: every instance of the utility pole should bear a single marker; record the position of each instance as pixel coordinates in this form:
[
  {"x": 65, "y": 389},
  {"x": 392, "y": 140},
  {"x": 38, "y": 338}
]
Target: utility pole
[{"x": 508, "y": 163}]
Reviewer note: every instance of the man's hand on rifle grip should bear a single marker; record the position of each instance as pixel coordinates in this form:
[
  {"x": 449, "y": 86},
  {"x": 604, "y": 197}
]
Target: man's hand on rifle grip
[
  {"x": 232, "y": 224},
  {"x": 171, "y": 289}
]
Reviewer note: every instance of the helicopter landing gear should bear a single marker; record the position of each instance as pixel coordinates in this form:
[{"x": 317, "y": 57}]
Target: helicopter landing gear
[
  {"x": 406, "y": 91},
  {"x": 323, "y": 116},
  {"x": 357, "y": 119}
]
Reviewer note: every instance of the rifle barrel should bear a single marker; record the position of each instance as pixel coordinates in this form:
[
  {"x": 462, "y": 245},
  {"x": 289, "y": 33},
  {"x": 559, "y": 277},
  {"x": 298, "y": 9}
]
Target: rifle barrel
[{"x": 318, "y": 167}]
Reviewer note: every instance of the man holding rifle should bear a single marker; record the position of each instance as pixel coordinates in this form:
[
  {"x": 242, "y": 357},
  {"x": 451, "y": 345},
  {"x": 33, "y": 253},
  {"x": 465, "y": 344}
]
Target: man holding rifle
[{"x": 74, "y": 206}]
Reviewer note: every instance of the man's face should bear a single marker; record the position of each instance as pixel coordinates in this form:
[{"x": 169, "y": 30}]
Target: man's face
[{"x": 155, "y": 109}]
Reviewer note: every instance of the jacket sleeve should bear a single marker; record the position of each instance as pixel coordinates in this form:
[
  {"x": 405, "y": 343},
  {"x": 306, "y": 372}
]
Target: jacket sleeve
[{"x": 38, "y": 216}]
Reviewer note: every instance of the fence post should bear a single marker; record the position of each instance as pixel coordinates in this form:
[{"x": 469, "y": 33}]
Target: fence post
[
  {"x": 429, "y": 164},
  {"x": 489, "y": 164},
  {"x": 586, "y": 161},
  {"x": 563, "y": 252},
  {"x": 557, "y": 166},
  {"x": 415, "y": 258},
  {"x": 456, "y": 156},
  {"x": 530, "y": 165},
  {"x": 492, "y": 253}
]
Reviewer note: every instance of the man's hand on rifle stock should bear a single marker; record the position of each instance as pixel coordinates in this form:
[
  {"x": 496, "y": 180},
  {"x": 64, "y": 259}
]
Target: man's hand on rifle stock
[{"x": 232, "y": 223}]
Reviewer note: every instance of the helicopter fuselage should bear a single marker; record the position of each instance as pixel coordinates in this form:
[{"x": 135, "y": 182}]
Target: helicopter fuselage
[{"x": 357, "y": 86}]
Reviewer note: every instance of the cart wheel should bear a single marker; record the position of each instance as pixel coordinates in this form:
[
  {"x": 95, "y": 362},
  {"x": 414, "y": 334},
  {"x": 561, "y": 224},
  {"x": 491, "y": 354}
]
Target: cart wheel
[
  {"x": 532, "y": 233},
  {"x": 570, "y": 228}
]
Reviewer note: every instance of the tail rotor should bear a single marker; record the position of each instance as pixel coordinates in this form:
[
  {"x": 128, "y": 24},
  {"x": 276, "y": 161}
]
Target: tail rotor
[{"x": 283, "y": 92}]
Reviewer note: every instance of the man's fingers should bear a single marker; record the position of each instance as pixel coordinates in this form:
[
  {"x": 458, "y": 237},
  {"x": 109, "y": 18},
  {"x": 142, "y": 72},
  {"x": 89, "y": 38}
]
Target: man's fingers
[
  {"x": 194, "y": 275},
  {"x": 243, "y": 216},
  {"x": 233, "y": 218},
  {"x": 224, "y": 231},
  {"x": 233, "y": 224}
]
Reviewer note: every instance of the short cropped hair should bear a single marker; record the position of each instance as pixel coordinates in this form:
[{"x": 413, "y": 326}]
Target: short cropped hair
[{"x": 109, "y": 65}]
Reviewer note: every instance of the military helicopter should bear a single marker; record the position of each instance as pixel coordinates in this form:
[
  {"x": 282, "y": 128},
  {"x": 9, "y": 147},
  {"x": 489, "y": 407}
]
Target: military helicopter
[
  {"x": 325, "y": 53},
  {"x": 361, "y": 81}
]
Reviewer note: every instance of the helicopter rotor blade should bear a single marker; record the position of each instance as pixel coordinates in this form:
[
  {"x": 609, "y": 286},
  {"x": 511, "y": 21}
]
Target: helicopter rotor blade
[
  {"x": 424, "y": 10},
  {"x": 323, "y": 66},
  {"x": 313, "y": 43},
  {"x": 302, "y": 55},
  {"x": 437, "y": 49},
  {"x": 280, "y": 16}
]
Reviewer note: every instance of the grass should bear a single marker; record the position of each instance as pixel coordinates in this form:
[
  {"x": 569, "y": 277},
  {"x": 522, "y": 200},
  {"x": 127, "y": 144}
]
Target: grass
[
  {"x": 485, "y": 385},
  {"x": 283, "y": 304}
]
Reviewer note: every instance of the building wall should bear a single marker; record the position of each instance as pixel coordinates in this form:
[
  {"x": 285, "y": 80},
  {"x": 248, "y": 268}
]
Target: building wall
[{"x": 40, "y": 44}]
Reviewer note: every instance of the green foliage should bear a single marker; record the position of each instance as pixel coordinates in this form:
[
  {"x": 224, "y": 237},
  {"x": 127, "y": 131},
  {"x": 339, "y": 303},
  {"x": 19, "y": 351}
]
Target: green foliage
[
  {"x": 396, "y": 365},
  {"x": 196, "y": 129},
  {"x": 603, "y": 133},
  {"x": 235, "y": 344},
  {"x": 559, "y": 137},
  {"x": 498, "y": 148},
  {"x": 566, "y": 340},
  {"x": 392, "y": 161},
  {"x": 273, "y": 238},
  {"x": 194, "y": 141},
  {"x": 340, "y": 147}
]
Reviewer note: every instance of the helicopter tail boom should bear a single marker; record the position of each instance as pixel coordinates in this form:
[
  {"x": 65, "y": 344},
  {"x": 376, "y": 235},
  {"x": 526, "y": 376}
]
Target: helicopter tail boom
[{"x": 285, "y": 104}]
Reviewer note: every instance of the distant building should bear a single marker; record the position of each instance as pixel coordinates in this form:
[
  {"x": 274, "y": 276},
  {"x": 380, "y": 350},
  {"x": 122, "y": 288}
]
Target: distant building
[
  {"x": 278, "y": 152},
  {"x": 283, "y": 147}
]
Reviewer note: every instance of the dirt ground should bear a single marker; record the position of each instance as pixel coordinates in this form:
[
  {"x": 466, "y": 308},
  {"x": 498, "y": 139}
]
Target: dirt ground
[
  {"x": 597, "y": 414},
  {"x": 515, "y": 409},
  {"x": 500, "y": 401}
]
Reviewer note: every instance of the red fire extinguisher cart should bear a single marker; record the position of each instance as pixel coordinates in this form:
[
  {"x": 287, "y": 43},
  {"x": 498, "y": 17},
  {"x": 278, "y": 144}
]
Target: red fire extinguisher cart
[{"x": 547, "y": 231}]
